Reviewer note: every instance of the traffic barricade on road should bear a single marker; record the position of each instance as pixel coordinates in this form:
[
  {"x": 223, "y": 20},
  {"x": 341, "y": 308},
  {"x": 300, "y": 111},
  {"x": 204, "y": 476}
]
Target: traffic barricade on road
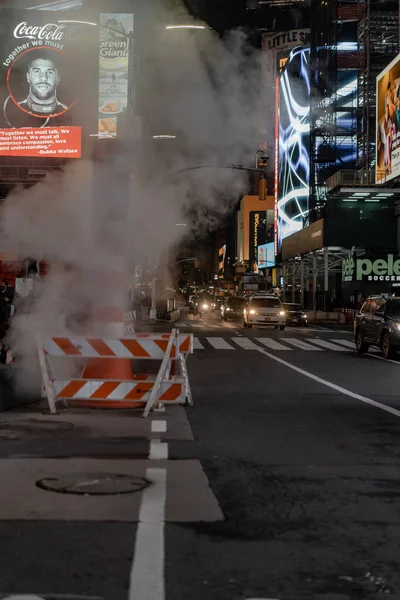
[{"x": 169, "y": 385}]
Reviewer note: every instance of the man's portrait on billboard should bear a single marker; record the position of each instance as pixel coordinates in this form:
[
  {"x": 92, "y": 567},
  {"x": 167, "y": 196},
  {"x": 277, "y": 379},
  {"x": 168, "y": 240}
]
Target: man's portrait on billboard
[
  {"x": 43, "y": 79},
  {"x": 40, "y": 93}
]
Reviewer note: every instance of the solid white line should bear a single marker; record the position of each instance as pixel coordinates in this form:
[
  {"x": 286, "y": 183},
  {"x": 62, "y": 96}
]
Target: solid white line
[
  {"x": 219, "y": 343},
  {"x": 328, "y": 345},
  {"x": 346, "y": 343},
  {"x": 158, "y": 450},
  {"x": 338, "y": 388},
  {"x": 147, "y": 572},
  {"x": 197, "y": 344},
  {"x": 302, "y": 345},
  {"x": 395, "y": 362},
  {"x": 159, "y": 426},
  {"x": 272, "y": 344}
]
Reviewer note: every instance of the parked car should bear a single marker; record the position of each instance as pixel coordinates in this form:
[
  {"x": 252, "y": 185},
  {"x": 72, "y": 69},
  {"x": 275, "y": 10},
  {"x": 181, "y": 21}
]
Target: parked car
[
  {"x": 378, "y": 324},
  {"x": 233, "y": 308},
  {"x": 295, "y": 314},
  {"x": 264, "y": 310}
]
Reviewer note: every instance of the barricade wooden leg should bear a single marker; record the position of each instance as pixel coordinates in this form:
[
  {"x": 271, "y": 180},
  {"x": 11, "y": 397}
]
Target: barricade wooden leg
[
  {"x": 46, "y": 380},
  {"x": 161, "y": 376}
]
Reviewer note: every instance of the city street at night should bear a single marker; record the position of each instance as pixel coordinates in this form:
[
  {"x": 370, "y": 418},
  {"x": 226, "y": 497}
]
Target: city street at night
[{"x": 298, "y": 437}]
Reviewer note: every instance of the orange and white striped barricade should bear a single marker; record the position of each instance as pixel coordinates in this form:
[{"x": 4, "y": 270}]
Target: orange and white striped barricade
[{"x": 170, "y": 385}]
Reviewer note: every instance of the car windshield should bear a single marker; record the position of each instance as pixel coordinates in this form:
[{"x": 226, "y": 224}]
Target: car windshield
[
  {"x": 297, "y": 307},
  {"x": 236, "y": 302},
  {"x": 266, "y": 303}
]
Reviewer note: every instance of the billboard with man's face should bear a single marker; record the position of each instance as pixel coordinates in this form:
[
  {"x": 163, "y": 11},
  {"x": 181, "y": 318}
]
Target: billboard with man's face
[
  {"x": 388, "y": 123},
  {"x": 48, "y": 80}
]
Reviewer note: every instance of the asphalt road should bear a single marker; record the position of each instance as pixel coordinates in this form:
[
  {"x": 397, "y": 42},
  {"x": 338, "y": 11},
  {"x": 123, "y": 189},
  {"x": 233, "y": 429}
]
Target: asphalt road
[{"x": 299, "y": 438}]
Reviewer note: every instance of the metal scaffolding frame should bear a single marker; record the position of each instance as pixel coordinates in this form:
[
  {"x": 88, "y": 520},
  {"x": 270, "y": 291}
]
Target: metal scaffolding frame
[
  {"x": 377, "y": 46},
  {"x": 314, "y": 269}
]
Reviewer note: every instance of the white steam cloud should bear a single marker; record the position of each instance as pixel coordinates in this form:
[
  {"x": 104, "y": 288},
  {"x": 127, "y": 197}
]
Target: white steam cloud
[{"x": 92, "y": 221}]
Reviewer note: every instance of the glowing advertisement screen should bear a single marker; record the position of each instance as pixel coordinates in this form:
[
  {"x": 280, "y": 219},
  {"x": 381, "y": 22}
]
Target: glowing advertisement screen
[
  {"x": 293, "y": 146},
  {"x": 266, "y": 256},
  {"x": 116, "y": 39},
  {"x": 388, "y": 123},
  {"x": 47, "y": 70}
]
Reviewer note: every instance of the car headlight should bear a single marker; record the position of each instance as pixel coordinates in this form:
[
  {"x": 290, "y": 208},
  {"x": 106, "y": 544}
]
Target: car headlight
[
  {"x": 397, "y": 326},
  {"x": 304, "y": 316},
  {"x": 252, "y": 311},
  {"x": 282, "y": 313},
  {"x": 205, "y": 306},
  {"x": 227, "y": 308}
]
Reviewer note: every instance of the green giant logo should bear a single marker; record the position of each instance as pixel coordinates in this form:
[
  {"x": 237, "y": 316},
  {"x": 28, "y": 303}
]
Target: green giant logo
[{"x": 365, "y": 269}]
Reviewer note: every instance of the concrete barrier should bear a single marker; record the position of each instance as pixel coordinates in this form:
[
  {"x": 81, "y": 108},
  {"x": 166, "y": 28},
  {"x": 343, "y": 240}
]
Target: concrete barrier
[{"x": 318, "y": 316}]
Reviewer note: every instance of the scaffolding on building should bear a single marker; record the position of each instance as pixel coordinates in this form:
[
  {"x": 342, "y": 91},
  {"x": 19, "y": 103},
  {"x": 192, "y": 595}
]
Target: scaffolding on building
[{"x": 377, "y": 46}]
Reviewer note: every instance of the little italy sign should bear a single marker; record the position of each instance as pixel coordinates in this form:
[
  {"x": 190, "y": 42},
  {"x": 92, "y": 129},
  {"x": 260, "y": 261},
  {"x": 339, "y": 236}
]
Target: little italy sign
[{"x": 365, "y": 269}]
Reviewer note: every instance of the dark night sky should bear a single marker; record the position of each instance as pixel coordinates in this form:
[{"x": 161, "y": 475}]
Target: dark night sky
[{"x": 221, "y": 15}]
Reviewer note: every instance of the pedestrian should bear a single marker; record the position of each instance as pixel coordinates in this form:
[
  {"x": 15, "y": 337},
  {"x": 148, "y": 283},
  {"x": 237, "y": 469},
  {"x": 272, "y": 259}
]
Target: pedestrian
[{"x": 6, "y": 298}]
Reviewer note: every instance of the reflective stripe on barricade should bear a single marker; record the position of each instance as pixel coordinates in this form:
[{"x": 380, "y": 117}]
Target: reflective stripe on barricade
[
  {"x": 118, "y": 388},
  {"x": 149, "y": 346}
]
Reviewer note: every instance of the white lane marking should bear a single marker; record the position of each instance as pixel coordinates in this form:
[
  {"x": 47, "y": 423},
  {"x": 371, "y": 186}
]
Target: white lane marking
[
  {"x": 158, "y": 450},
  {"x": 245, "y": 343},
  {"x": 158, "y": 426},
  {"x": 197, "y": 325},
  {"x": 302, "y": 345},
  {"x": 272, "y": 344},
  {"x": 324, "y": 344},
  {"x": 346, "y": 343},
  {"x": 197, "y": 345},
  {"x": 335, "y": 387},
  {"x": 319, "y": 328},
  {"x": 147, "y": 579},
  {"x": 182, "y": 325},
  {"x": 160, "y": 408},
  {"x": 219, "y": 343},
  {"x": 395, "y": 362}
]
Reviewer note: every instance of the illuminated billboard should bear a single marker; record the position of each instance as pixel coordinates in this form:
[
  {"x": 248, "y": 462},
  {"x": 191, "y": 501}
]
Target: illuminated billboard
[
  {"x": 266, "y": 256},
  {"x": 116, "y": 39},
  {"x": 292, "y": 169},
  {"x": 47, "y": 73},
  {"x": 388, "y": 123}
]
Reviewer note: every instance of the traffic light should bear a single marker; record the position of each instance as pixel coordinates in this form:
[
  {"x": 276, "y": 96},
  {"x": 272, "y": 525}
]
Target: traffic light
[{"x": 262, "y": 189}]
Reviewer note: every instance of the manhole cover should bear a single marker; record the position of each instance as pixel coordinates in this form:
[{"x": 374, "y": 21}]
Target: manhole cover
[{"x": 94, "y": 484}]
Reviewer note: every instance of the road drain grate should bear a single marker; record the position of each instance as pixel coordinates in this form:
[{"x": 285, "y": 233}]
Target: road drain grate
[{"x": 94, "y": 484}]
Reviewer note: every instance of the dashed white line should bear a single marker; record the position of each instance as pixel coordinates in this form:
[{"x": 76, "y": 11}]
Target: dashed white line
[
  {"x": 346, "y": 343},
  {"x": 158, "y": 450},
  {"x": 272, "y": 344},
  {"x": 158, "y": 426},
  {"x": 147, "y": 579},
  {"x": 333, "y": 386},
  {"x": 328, "y": 345},
  {"x": 197, "y": 345},
  {"x": 219, "y": 343},
  {"x": 302, "y": 345}
]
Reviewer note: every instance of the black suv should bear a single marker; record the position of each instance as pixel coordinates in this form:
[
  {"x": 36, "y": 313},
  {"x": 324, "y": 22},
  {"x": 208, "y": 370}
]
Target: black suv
[{"x": 378, "y": 324}]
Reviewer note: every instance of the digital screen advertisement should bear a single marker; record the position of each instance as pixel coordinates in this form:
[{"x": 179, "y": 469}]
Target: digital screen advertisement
[
  {"x": 116, "y": 40},
  {"x": 48, "y": 68},
  {"x": 266, "y": 256},
  {"x": 388, "y": 123},
  {"x": 293, "y": 146},
  {"x": 257, "y": 232}
]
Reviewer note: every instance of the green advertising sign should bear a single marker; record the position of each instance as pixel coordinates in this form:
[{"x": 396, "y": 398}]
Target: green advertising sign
[{"x": 366, "y": 269}]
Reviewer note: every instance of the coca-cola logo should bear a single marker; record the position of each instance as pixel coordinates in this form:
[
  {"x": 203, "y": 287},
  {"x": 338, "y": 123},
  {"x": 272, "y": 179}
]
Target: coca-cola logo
[{"x": 49, "y": 32}]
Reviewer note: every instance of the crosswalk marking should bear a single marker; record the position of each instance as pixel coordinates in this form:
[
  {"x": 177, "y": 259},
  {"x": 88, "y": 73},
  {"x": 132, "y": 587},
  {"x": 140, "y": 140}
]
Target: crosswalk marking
[
  {"x": 302, "y": 345},
  {"x": 272, "y": 344},
  {"x": 329, "y": 346},
  {"x": 197, "y": 325},
  {"x": 219, "y": 343},
  {"x": 197, "y": 345},
  {"x": 348, "y": 343},
  {"x": 245, "y": 343}
]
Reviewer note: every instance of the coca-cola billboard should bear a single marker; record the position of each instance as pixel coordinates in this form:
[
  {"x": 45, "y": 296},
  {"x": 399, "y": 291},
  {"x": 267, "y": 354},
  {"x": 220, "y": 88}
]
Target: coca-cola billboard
[{"x": 48, "y": 81}]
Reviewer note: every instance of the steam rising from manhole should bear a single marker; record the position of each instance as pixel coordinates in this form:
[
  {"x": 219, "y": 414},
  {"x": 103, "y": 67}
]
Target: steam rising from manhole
[{"x": 94, "y": 484}]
